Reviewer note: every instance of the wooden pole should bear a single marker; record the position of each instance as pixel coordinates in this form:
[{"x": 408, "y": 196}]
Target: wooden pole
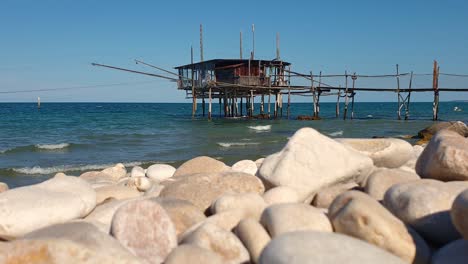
[
  {"x": 220, "y": 105},
  {"x": 262, "y": 104},
  {"x": 409, "y": 96},
  {"x": 289, "y": 91},
  {"x": 312, "y": 89},
  {"x": 203, "y": 103},
  {"x": 253, "y": 43},
  {"x": 241, "y": 105},
  {"x": 280, "y": 103},
  {"x": 398, "y": 91},
  {"x": 435, "y": 86},
  {"x": 346, "y": 96},
  {"x": 276, "y": 105},
  {"x": 319, "y": 92},
  {"x": 201, "y": 42},
  {"x": 251, "y": 103},
  {"x": 337, "y": 108},
  {"x": 352, "y": 94},
  {"x": 277, "y": 46},
  {"x": 269, "y": 103},
  {"x": 194, "y": 97},
  {"x": 209, "y": 104},
  {"x": 240, "y": 44}
]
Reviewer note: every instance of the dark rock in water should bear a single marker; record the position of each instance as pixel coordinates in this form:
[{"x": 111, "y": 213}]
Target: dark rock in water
[
  {"x": 427, "y": 133},
  {"x": 307, "y": 117},
  {"x": 262, "y": 116}
]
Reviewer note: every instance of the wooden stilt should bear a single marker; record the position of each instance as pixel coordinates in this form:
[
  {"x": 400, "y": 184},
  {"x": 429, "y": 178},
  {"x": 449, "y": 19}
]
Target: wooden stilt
[
  {"x": 269, "y": 103},
  {"x": 251, "y": 103},
  {"x": 203, "y": 103},
  {"x": 409, "y": 96},
  {"x": 280, "y": 102},
  {"x": 435, "y": 86},
  {"x": 220, "y": 105},
  {"x": 209, "y": 104},
  {"x": 241, "y": 106},
  {"x": 194, "y": 97},
  {"x": 276, "y": 105},
  {"x": 398, "y": 91},
  {"x": 337, "y": 108},
  {"x": 262, "y": 104},
  {"x": 345, "y": 112},
  {"x": 353, "y": 94}
]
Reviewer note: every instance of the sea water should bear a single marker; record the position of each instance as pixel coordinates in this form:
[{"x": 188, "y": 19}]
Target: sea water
[{"x": 78, "y": 137}]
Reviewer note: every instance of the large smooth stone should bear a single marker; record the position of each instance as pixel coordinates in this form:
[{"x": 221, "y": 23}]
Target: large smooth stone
[
  {"x": 425, "y": 205},
  {"x": 192, "y": 254},
  {"x": 445, "y": 158},
  {"x": 455, "y": 252},
  {"x": 311, "y": 161},
  {"x": 253, "y": 236},
  {"x": 98, "y": 179},
  {"x": 117, "y": 172},
  {"x": 115, "y": 191},
  {"x": 220, "y": 241},
  {"x": 57, "y": 200},
  {"x": 385, "y": 152},
  {"x": 160, "y": 172},
  {"x": 3, "y": 187},
  {"x": 358, "y": 215},
  {"x": 410, "y": 165},
  {"x": 459, "y": 213},
  {"x": 382, "y": 179},
  {"x": 246, "y": 166},
  {"x": 282, "y": 218},
  {"x": 325, "y": 197},
  {"x": 201, "y": 164},
  {"x": 281, "y": 194},
  {"x": 259, "y": 162},
  {"x": 86, "y": 235},
  {"x": 54, "y": 251},
  {"x": 455, "y": 126},
  {"x": 323, "y": 248},
  {"x": 182, "y": 213},
  {"x": 145, "y": 229},
  {"x": 102, "y": 215},
  {"x": 142, "y": 184},
  {"x": 137, "y": 171},
  {"x": 204, "y": 188},
  {"x": 251, "y": 203}
]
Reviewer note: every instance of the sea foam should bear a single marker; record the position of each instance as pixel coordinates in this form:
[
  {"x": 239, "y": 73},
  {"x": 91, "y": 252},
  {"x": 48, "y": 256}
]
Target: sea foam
[
  {"x": 260, "y": 128},
  {"x": 336, "y": 133},
  {"x": 64, "y": 168},
  {"x": 52, "y": 146},
  {"x": 238, "y": 144}
]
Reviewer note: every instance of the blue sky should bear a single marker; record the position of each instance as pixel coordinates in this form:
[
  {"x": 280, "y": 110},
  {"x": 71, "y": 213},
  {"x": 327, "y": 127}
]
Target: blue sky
[{"x": 50, "y": 44}]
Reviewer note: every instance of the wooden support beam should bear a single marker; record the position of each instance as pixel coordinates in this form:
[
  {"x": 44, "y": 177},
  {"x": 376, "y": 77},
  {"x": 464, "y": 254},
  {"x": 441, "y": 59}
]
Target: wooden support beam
[
  {"x": 435, "y": 86},
  {"x": 209, "y": 104},
  {"x": 345, "y": 112},
  {"x": 194, "y": 96},
  {"x": 203, "y": 103},
  {"x": 354, "y": 78},
  {"x": 409, "y": 97},
  {"x": 337, "y": 108},
  {"x": 398, "y": 91}
]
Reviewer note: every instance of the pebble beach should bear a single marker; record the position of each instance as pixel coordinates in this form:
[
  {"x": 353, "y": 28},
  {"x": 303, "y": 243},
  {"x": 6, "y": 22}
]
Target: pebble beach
[{"x": 317, "y": 200}]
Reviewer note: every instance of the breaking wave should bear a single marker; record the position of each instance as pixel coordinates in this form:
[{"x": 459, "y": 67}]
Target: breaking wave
[
  {"x": 336, "y": 133},
  {"x": 64, "y": 168},
  {"x": 52, "y": 146},
  {"x": 260, "y": 128},
  {"x": 236, "y": 144}
]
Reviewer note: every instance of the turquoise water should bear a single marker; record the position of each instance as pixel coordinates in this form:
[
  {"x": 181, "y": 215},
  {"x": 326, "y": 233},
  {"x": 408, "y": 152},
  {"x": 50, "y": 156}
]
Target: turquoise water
[{"x": 76, "y": 137}]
